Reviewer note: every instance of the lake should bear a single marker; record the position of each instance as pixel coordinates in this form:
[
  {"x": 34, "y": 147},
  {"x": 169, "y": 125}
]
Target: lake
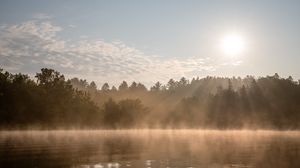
[{"x": 150, "y": 149}]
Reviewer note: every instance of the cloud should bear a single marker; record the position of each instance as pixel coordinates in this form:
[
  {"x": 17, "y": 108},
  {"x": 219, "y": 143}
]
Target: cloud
[
  {"x": 41, "y": 16},
  {"x": 31, "y": 45},
  {"x": 72, "y": 26}
]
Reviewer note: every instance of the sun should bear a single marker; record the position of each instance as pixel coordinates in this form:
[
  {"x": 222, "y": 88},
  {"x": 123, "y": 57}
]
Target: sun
[{"x": 233, "y": 44}]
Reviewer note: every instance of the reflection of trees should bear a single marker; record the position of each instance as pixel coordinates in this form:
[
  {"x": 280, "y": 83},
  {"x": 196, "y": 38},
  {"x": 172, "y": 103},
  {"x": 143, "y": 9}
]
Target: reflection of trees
[
  {"x": 44, "y": 155},
  {"x": 65, "y": 150},
  {"x": 280, "y": 154},
  {"x": 118, "y": 148},
  {"x": 180, "y": 149}
]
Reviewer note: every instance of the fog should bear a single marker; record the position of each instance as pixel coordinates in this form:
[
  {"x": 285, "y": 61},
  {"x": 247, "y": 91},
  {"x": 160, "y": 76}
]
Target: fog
[
  {"x": 207, "y": 122},
  {"x": 53, "y": 102},
  {"x": 155, "y": 107},
  {"x": 150, "y": 148}
]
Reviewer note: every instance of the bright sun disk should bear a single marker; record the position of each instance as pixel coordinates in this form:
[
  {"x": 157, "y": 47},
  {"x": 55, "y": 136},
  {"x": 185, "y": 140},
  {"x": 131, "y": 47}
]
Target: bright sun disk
[{"x": 233, "y": 45}]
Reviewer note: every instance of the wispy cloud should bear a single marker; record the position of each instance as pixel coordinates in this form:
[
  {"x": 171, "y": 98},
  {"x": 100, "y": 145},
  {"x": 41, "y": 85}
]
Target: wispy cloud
[
  {"x": 28, "y": 46},
  {"x": 41, "y": 16},
  {"x": 72, "y": 26}
]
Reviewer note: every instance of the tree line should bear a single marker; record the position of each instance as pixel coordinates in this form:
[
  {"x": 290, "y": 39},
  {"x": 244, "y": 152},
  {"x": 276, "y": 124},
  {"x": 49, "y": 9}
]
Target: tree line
[{"x": 49, "y": 101}]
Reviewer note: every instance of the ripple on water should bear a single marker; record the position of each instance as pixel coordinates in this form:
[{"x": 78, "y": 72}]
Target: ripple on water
[{"x": 150, "y": 148}]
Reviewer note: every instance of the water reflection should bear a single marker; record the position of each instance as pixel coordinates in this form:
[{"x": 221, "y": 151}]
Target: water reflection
[{"x": 150, "y": 149}]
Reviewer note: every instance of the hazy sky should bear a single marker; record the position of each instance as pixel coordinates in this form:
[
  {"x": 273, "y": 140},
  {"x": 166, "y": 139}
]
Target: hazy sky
[{"x": 149, "y": 41}]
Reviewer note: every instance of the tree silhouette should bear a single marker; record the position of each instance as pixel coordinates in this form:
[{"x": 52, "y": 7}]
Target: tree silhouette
[
  {"x": 105, "y": 87},
  {"x": 210, "y": 102},
  {"x": 123, "y": 86},
  {"x": 157, "y": 87}
]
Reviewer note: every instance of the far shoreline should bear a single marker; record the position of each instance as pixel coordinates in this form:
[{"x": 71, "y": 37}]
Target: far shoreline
[{"x": 150, "y": 130}]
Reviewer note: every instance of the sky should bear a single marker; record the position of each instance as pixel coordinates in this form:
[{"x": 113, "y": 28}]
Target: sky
[{"x": 149, "y": 41}]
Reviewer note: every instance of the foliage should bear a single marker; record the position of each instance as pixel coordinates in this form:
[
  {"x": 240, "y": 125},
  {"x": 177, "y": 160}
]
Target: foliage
[{"x": 212, "y": 102}]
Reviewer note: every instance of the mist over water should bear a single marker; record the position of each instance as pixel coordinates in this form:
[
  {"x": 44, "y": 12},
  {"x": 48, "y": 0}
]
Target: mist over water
[
  {"x": 149, "y": 84},
  {"x": 93, "y": 119},
  {"x": 150, "y": 148},
  {"x": 106, "y": 128}
]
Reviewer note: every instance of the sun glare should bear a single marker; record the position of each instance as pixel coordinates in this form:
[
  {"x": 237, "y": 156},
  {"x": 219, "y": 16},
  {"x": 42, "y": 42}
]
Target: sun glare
[{"x": 233, "y": 45}]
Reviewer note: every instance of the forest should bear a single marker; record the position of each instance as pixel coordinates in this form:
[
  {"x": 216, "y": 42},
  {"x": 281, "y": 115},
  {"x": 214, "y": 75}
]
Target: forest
[{"x": 50, "y": 101}]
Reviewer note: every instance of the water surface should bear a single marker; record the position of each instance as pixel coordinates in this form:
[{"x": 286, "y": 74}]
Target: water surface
[{"x": 150, "y": 149}]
